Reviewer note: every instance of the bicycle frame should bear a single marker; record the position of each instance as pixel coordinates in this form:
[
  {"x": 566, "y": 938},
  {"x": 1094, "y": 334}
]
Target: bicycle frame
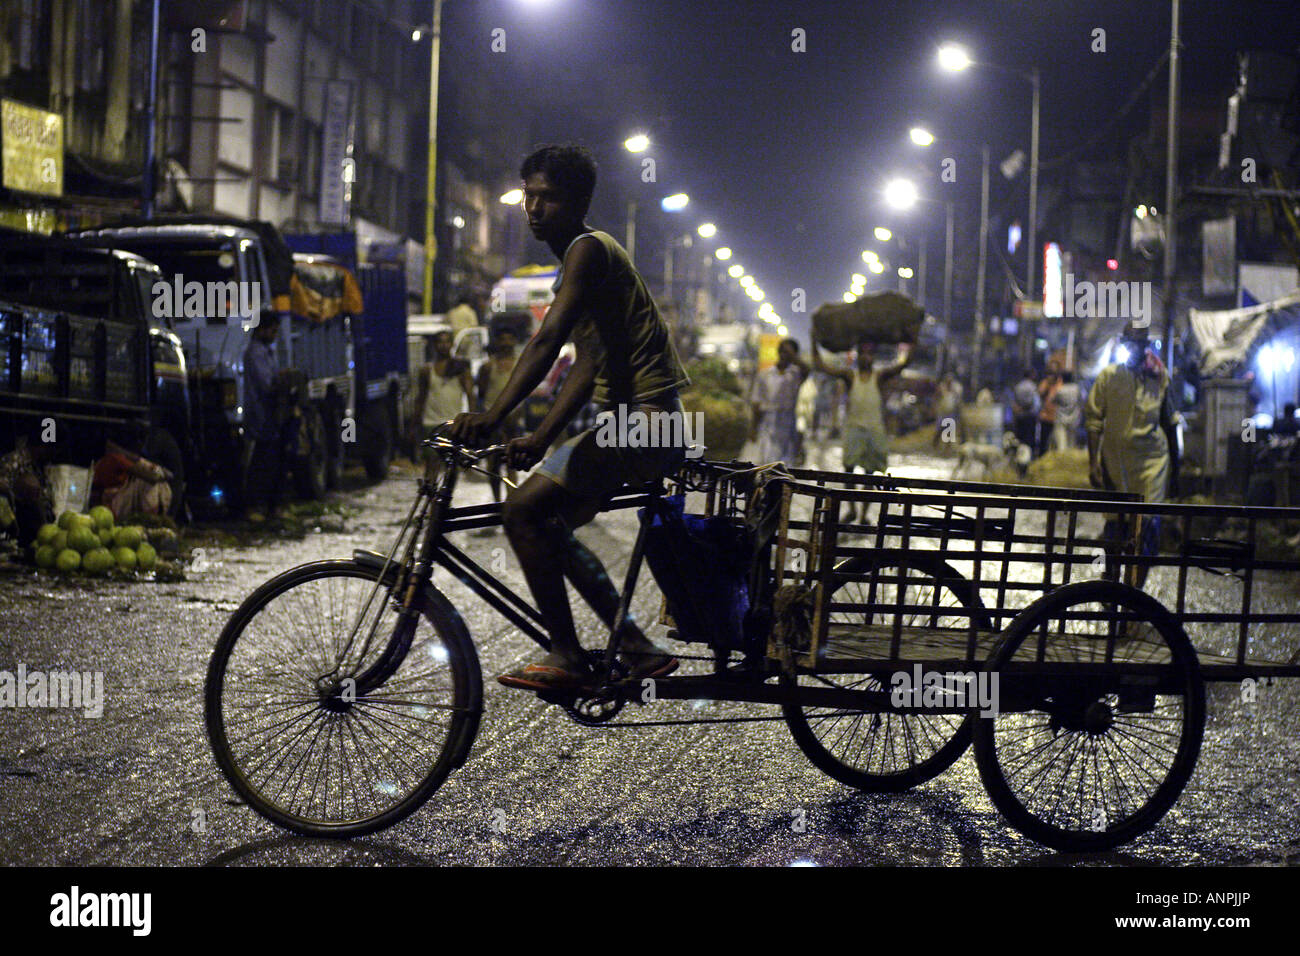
[{"x": 435, "y": 518}]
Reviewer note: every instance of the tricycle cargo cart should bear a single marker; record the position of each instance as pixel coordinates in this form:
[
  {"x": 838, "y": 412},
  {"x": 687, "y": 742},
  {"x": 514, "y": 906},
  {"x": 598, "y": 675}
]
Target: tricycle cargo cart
[{"x": 1048, "y": 628}]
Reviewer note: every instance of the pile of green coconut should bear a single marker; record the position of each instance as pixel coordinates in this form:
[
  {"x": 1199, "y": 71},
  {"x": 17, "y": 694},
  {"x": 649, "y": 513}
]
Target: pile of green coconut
[{"x": 91, "y": 544}]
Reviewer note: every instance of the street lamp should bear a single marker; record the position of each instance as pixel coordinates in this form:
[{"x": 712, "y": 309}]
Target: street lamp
[
  {"x": 675, "y": 203},
  {"x": 883, "y": 234},
  {"x": 707, "y": 230},
  {"x": 920, "y": 136},
  {"x": 737, "y": 270},
  {"x": 512, "y": 197},
  {"x": 723, "y": 253},
  {"x": 954, "y": 58},
  {"x": 637, "y": 143},
  {"x": 900, "y": 194}
]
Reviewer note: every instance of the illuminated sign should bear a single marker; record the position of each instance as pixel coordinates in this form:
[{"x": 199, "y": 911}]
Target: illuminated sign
[
  {"x": 1053, "y": 288},
  {"x": 32, "y": 145}
]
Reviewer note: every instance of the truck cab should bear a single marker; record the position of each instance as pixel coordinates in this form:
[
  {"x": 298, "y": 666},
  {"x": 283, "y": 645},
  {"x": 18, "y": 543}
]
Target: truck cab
[{"x": 214, "y": 288}]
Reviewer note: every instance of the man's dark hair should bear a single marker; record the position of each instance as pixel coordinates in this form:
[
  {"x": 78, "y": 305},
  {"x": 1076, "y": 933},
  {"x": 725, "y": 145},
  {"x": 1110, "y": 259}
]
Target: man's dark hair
[
  {"x": 1067, "y": 376},
  {"x": 1289, "y": 409},
  {"x": 569, "y": 167},
  {"x": 793, "y": 343}
]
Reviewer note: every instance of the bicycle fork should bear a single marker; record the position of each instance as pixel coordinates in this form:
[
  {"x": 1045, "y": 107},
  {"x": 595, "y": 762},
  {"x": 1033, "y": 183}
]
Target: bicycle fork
[{"x": 407, "y": 605}]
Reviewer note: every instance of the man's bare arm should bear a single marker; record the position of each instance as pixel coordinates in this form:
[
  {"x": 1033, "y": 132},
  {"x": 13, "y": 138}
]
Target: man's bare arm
[
  {"x": 583, "y": 267},
  {"x": 818, "y": 363},
  {"x": 904, "y": 358}
]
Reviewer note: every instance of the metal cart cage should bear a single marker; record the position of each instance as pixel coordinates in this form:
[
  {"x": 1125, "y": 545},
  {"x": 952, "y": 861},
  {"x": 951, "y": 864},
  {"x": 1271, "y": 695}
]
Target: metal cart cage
[{"x": 1000, "y": 547}]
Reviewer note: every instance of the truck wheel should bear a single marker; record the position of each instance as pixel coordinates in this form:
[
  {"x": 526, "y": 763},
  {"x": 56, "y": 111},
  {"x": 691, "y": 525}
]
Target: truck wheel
[
  {"x": 161, "y": 448},
  {"x": 377, "y": 452},
  {"x": 310, "y": 468}
]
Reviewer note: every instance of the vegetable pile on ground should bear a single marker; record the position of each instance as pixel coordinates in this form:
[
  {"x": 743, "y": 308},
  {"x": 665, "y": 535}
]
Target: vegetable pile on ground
[{"x": 92, "y": 544}]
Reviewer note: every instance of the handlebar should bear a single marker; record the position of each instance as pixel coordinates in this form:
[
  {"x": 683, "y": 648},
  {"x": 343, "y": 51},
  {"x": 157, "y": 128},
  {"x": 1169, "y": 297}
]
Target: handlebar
[{"x": 459, "y": 450}]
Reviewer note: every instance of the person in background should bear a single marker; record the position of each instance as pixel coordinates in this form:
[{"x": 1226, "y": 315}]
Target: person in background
[
  {"x": 264, "y": 455},
  {"x": 462, "y": 316},
  {"x": 492, "y": 378},
  {"x": 1025, "y": 404},
  {"x": 1286, "y": 423},
  {"x": 866, "y": 443},
  {"x": 128, "y": 483},
  {"x": 773, "y": 397},
  {"x": 1069, "y": 412},
  {"x": 948, "y": 409},
  {"x": 1047, "y": 390},
  {"x": 23, "y": 481},
  {"x": 1133, "y": 433},
  {"x": 445, "y": 388}
]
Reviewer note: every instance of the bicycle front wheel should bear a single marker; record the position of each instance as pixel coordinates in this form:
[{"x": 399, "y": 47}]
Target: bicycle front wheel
[{"x": 294, "y": 734}]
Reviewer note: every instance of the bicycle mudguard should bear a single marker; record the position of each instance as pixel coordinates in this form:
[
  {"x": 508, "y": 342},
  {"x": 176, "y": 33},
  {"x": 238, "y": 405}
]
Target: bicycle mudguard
[{"x": 440, "y": 604}]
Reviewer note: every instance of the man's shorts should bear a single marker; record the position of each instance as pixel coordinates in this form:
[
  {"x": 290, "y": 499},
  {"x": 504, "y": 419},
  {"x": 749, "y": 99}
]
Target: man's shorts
[{"x": 596, "y": 463}]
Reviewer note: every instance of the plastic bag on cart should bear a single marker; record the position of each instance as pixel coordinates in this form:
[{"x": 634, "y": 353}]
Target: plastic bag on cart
[{"x": 701, "y": 565}]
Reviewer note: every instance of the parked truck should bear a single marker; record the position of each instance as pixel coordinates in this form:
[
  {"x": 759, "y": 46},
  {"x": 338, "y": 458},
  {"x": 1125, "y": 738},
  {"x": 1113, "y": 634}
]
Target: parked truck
[
  {"x": 227, "y": 276},
  {"x": 83, "y": 356},
  {"x": 374, "y": 328}
]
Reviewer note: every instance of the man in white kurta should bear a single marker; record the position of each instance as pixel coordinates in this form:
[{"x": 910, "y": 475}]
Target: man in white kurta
[{"x": 774, "y": 397}]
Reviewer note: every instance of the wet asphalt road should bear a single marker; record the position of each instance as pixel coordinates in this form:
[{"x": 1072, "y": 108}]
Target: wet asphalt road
[{"x": 136, "y": 786}]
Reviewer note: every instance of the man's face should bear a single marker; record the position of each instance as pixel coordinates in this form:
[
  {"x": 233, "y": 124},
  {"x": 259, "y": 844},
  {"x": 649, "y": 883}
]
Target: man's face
[
  {"x": 267, "y": 331},
  {"x": 442, "y": 345},
  {"x": 506, "y": 342},
  {"x": 784, "y": 355},
  {"x": 549, "y": 209}
]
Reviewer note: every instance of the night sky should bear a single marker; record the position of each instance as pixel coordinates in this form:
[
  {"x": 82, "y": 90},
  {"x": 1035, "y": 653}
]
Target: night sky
[{"x": 786, "y": 151}]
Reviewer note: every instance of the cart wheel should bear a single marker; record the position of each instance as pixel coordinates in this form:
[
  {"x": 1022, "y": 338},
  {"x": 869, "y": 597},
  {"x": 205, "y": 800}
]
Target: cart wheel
[
  {"x": 879, "y": 751},
  {"x": 1101, "y": 710}
]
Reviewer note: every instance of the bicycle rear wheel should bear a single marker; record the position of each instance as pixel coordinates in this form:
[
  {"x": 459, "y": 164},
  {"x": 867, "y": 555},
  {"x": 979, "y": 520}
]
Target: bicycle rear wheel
[{"x": 302, "y": 748}]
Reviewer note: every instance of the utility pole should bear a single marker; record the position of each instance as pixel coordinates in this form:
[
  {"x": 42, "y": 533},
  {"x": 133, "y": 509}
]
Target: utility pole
[
  {"x": 920, "y": 275},
  {"x": 147, "y": 185},
  {"x": 1032, "y": 283},
  {"x": 431, "y": 179},
  {"x": 1171, "y": 182},
  {"x": 630, "y": 244},
  {"x": 977, "y": 358},
  {"x": 947, "y": 267}
]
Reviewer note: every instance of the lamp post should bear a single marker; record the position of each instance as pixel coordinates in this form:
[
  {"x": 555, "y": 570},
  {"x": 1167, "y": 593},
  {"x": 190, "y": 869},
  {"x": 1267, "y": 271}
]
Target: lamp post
[
  {"x": 977, "y": 351},
  {"x": 954, "y": 59},
  {"x": 431, "y": 176},
  {"x": 636, "y": 143},
  {"x": 1171, "y": 181}
]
